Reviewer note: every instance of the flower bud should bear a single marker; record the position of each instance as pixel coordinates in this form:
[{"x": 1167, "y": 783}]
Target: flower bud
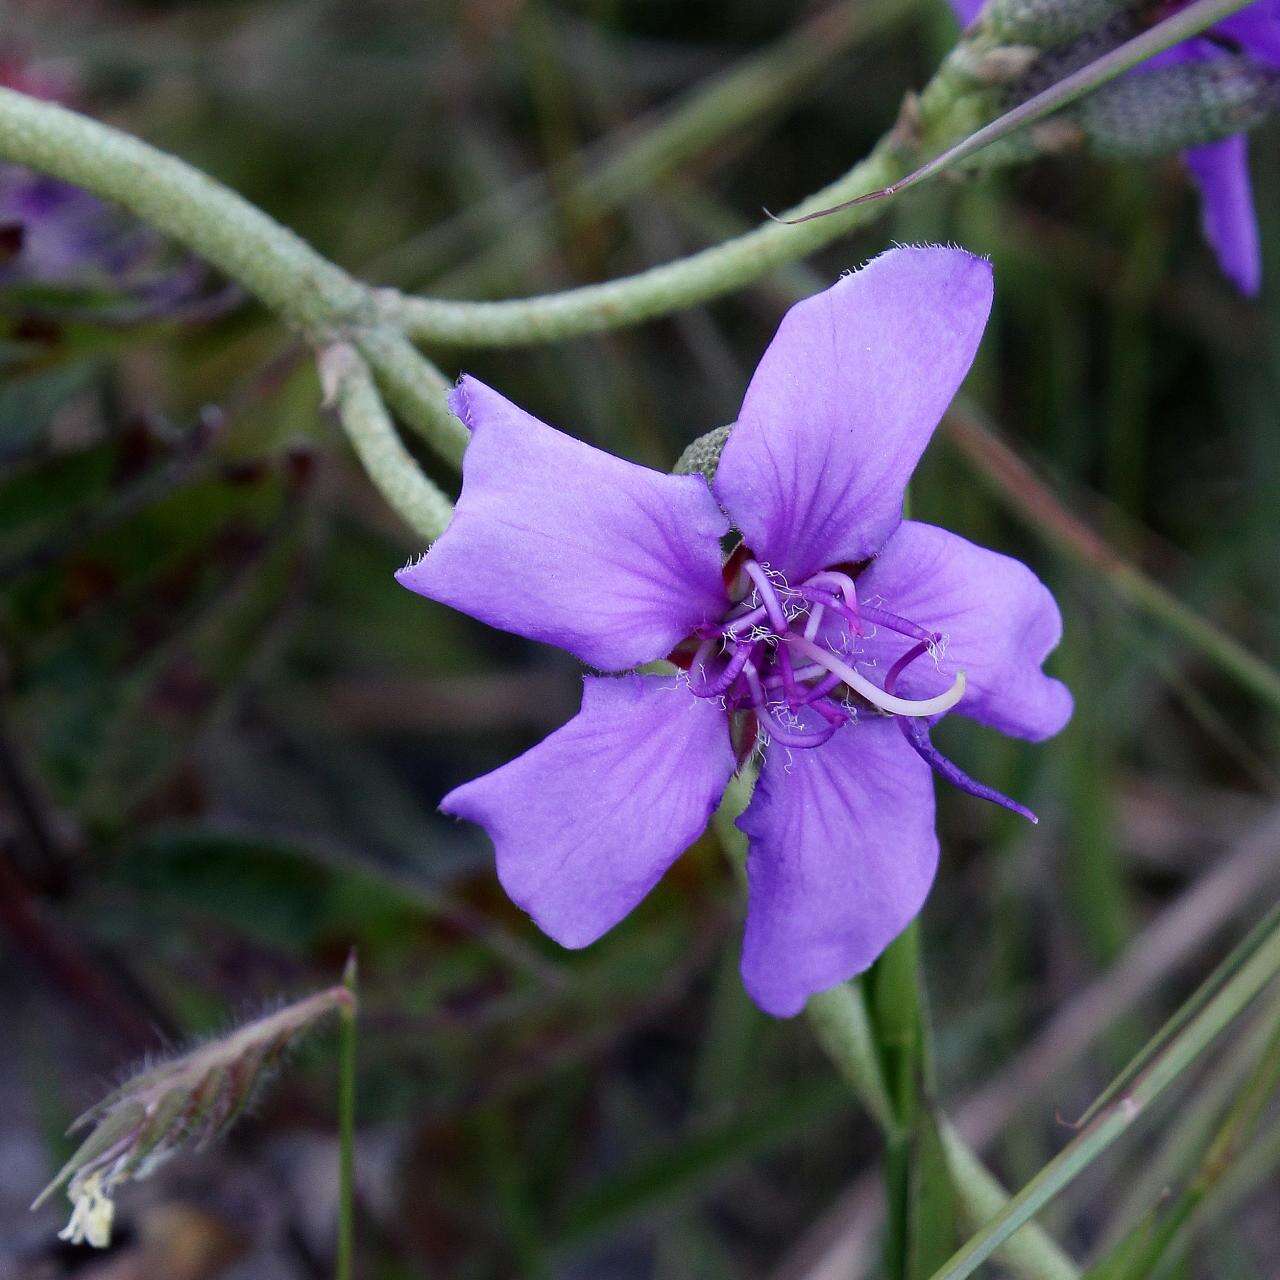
[
  {"x": 1046, "y": 23},
  {"x": 702, "y": 457},
  {"x": 1173, "y": 107},
  {"x": 184, "y": 1103}
]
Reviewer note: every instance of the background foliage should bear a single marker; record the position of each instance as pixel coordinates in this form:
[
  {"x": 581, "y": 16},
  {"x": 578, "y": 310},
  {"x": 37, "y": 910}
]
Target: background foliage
[{"x": 224, "y": 729}]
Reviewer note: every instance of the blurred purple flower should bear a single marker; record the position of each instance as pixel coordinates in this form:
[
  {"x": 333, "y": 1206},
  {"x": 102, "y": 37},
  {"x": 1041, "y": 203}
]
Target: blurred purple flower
[
  {"x": 837, "y": 678},
  {"x": 56, "y": 235},
  {"x": 68, "y": 237},
  {"x": 1219, "y": 169}
]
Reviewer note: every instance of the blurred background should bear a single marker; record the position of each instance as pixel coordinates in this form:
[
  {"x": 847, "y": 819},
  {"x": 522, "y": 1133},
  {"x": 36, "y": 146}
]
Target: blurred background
[{"x": 224, "y": 729}]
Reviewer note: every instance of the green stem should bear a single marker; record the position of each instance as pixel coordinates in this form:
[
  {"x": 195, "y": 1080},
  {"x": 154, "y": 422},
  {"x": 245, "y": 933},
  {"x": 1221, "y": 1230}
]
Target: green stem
[
  {"x": 344, "y": 1265},
  {"x": 641, "y": 155},
  {"x": 840, "y": 1023},
  {"x": 1030, "y": 1252},
  {"x": 1119, "y": 1114},
  {"x": 1188, "y": 22},
  {"x": 350, "y": 389},
  {"x": 268, "y": 259},
  {"x": 842, "y": 1026},
  {"x": 172, "y": 196},
  {"x": 670, "y": 287},
  {"x": 416, "y": 389},
  {"x": 849, "y": 202}
]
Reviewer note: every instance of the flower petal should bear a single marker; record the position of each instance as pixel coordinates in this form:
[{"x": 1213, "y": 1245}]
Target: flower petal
[
  {"x": 1257, "y": 28},
  {"x": 966, "y": 10},
  {"x": 841, "y": 856},
  {"x": 564, "y": 543},
  {"x": 1221, "y": 171},
  {"x": 999, "y": 619},
  {"x": 843, "y": 404},
  {"x": 585, "y": 823}
]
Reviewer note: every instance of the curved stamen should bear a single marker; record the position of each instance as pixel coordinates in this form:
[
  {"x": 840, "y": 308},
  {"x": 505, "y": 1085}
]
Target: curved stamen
[
  {"x": 916, "y": 733},
  {"x": 916, "y": 651},
  {"x": 794, "y": 737},
  {"x": 815, "y": 620},
  {"x": 841, "y": 582},
  {"x": 828, "y": 684},
  {"x": 883, "y": 618},
  {"x": 788, "y": 677},
  {"x": 768, "y": 596},
  {"x": 745, "y": 621},
  {"x": 713, "y": 685},
  {"x": 752, "y": 678},
  {"x": 880, "y": 697},
  {"x": 820, "y": 596},
  {"x": 829, "y": 711}
]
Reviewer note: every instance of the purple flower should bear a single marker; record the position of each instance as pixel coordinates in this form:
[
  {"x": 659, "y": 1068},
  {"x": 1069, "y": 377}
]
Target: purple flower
[
  {"x": 55, "y": 235},
  {"x": 1219, "y": 169},
  {"x": 832, "y": 636}
]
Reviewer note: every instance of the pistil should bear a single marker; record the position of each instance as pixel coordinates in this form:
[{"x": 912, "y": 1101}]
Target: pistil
[{"x": 878, "y": 697}]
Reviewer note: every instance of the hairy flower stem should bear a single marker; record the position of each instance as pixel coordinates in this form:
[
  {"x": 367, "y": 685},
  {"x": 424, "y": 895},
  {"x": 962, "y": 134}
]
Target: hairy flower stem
[
  {"x": 843, "y": 1028},
  {"x": 940, "y": 117},
  {"x": 670, "y": 287},
  {"x": 272, "y": 262},
  {"x": 167, "y": 193},
  {"x": 350, "y": 389}
]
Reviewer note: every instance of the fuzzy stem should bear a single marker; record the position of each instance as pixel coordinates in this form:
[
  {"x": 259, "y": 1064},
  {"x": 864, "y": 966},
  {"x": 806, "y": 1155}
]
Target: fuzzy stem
[
  {"x": 824, "y": 217},
  {"x": 172, "y": 196},
  {"x": 350, "y": 389},
  {"x": 344, "y": 1264},
  {"x": 416, "y": 389},
  {"x": 671, "y": 287}
]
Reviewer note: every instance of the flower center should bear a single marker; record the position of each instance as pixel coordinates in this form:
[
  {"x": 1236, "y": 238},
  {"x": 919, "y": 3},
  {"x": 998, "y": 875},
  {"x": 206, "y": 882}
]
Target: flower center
[{"x": 766, "y": 657}]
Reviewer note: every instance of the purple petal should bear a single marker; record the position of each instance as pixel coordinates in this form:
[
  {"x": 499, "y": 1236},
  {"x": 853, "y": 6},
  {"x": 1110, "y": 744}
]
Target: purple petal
[
  {"x": 843, "y": 404},
  {"x": 1257, "y": 28},
  {"x": 586, "y": 822},
  {"x": 966, "y": 10},
  {"x": 842, "y": 853},
  {"x": 999, "y": 620},
  {"x": 563, "y": 543},
  {"x": 1221, "y": 171}
]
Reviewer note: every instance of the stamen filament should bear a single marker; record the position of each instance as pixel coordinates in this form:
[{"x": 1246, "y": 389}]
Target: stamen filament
[
  {"x": 903, "y": 626},
  {"x": 793, "y": 737},
  {"x": 879, "y": 697},
  {"x": 711, "y": 686},
  {"x": 814, "y": 620},
  {"x": 843, "y": 584},
  {"x": 916, "y": 733},
  {"x": 768, "y": 596},
  {"x": 788, "y": 677}
]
